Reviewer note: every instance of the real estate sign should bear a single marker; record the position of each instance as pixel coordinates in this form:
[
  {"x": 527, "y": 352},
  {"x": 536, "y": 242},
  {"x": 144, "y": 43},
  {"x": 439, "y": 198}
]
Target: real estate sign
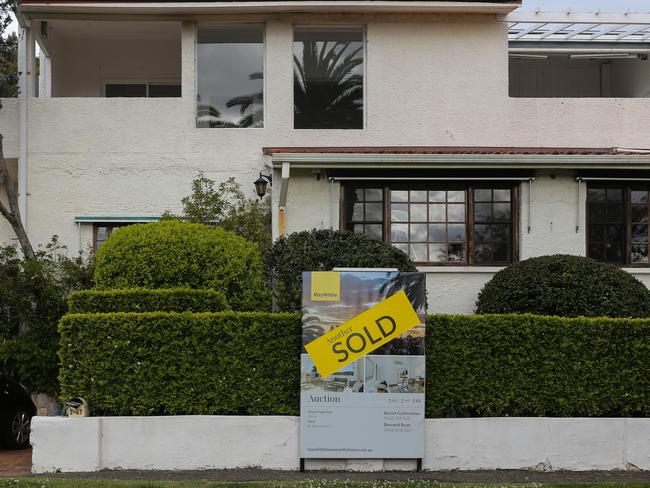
[{"x": 362, "y": 365}]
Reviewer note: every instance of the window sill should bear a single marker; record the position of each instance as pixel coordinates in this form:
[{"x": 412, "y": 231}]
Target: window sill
[
  {"x": 463, "y": 269},
  {"x": 642, "y": 271}
]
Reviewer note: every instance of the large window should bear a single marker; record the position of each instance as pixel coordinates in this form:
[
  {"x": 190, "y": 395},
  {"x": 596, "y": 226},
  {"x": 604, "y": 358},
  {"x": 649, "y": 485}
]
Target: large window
[
  {"x": 328, "y": 77},
  {"x": 437, "y": 223},
  {"x": 102, "y": 231},
  {"x": 230, "y": 84},
  {"x": 617, "y": 223}
]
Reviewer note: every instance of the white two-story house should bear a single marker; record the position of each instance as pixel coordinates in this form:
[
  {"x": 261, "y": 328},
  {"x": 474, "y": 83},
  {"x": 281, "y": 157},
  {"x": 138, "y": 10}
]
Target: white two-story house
[{"x": 469, "y": 136}]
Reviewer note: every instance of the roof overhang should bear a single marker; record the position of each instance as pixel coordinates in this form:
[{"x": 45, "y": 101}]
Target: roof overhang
[
  {"x": 40, "y": 9},
  {"x": 459, "y": 158}
]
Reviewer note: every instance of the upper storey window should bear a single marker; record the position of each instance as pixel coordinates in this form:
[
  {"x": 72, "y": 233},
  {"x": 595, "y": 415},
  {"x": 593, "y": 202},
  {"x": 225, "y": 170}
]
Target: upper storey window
[
  {"x": 230, "y": 84},
  {"x": 328, "y": 77}
]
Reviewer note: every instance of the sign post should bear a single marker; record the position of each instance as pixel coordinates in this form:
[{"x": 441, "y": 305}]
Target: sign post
[{"x": 362, "y": 365}]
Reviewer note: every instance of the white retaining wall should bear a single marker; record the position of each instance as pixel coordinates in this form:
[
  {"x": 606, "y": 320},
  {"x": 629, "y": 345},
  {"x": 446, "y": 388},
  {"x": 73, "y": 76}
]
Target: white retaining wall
[{"x": 228, "y": 442}]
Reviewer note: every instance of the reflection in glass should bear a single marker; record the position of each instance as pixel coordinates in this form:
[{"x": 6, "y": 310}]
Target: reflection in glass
[
  {"x": 418, "y": 195},
  {"x": 399, "y": 196},
  {"x": 437, "y": 196},
  {"x": 455, "y": 196},
  {"x": 418, "y": 212},
  {"x": 456, "y": 232},
  {"x": 456, "y": 213},
  {"x": 639, "y": 197},
  {"x": 328, "y": 78},
  {"x": 456, "y": 252},
  {"x": 640, "y": 254},
  {"x": 418, "y": 252},
  {"x": 418, "y": 233},
  {"x": 399, "y": 232},
  {"x": 230, "y": 64},
  {"x": 437, "y": 232},
  {"x": 374, "y": 230},
  {"x": 399, "y": 212},
  {"x": 437, "y": 252},
  {"x": 374, "y": 211},
  {"x": 437, "y": 212}
]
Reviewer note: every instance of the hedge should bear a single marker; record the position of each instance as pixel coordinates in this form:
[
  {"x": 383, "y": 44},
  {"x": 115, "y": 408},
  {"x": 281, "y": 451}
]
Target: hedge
[
  {"x": 143, "y": 300},
  {"x": 173, "y": 254},
  {"x": 248, "y": 364}
]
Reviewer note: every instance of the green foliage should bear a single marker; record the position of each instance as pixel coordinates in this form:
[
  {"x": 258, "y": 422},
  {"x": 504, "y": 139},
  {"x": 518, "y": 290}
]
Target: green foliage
[
  {"x": 33, "y": 295},
  {"x": 527, "y": 365},
  {"x": 182, "y": 363},
  {"x": 9, "y": 66},
  {"x": 173, "y": 254},
  {"x": 142, "y": 300},
  {"x": 225, "y": 205},
  {"x": 248, "y": 363},
  {"x": 323, "y": 250},
  {"x": 568, "y": 286}
]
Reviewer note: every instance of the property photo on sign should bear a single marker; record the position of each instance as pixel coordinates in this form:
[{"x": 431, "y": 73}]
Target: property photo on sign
[{"x": 362, "y": 365}]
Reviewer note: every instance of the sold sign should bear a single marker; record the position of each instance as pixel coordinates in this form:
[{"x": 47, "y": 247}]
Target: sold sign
[{"x": 362, "y": 334}]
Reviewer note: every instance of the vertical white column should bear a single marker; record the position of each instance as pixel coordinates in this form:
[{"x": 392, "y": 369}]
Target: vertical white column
[{"x": 26, "y": 87}]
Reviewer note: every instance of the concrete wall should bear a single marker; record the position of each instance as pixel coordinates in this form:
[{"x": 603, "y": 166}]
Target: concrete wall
[{"x": 217, "y": 442}]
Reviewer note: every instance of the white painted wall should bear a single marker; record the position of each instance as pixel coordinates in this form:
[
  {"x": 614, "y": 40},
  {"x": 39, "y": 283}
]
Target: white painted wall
[
  {"x": 444, "y": 83},
  {"x": 221, "y": 442}
]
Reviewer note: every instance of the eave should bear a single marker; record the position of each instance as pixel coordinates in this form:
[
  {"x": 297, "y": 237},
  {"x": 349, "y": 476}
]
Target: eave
[{"x": 37, "y": 8}]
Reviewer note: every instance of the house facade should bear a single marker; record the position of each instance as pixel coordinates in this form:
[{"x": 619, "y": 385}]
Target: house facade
[{"x": 464, "y": 134}]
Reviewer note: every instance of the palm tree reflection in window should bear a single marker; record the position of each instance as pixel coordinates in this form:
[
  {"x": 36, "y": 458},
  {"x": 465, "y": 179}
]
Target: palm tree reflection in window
[
  {"x": 251, "y": 110},
  {"x": 328, "y": 84}
]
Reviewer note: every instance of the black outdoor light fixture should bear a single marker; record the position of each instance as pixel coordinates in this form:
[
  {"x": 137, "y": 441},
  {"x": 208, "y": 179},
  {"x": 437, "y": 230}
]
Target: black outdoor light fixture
[{"x": 260, "y": 184}]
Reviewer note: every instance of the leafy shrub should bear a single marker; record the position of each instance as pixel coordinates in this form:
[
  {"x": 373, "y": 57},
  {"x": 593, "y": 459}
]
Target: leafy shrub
[
  {"x": 182, "y": 363},
  {"x": 248, "y": 364},
  {"x": 33, "y": 296},
  {"x": 568, "y": 286},
  {"x": 527, "y": 365},
  {"x": 141, "y": 300},
  {"x": 173, "y": 254},
  {"x": 323, "y": 250}
]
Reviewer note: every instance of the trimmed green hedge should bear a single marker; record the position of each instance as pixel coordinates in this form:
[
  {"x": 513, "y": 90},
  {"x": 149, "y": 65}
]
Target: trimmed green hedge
[
  {"x": 142, "y": 300},
  {"x": 182, "y": 363},
  {"x": 248, "y": 364}
]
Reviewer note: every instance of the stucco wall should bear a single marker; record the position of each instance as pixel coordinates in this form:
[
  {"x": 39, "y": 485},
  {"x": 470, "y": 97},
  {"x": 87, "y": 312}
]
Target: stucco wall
[
  {"x": 217, "y": 442},
  {"x": 444, "y": 83}
]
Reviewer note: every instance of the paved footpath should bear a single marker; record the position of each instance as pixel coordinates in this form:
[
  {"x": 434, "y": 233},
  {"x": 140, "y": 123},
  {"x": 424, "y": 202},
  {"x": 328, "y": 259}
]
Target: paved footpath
[
  {"x": 501, "y": 476},
  {"x": 15, "y": 463}
]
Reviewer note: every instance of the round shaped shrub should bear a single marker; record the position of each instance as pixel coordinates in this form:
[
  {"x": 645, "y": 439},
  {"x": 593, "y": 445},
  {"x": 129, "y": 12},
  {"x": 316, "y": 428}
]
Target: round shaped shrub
[
  {"x": 568, "y": 286},
  {"x": 322, "y": 250},
  {"x": 173, "y": 254}
]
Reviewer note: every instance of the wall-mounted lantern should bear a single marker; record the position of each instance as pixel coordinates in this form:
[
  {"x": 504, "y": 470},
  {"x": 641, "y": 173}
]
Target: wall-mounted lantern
[{"x": 260, "y": 184}]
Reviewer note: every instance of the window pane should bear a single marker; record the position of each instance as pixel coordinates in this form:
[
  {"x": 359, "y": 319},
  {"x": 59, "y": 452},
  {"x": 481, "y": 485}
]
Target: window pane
[
  {"x": 596, "y": 251},
  {"x": 481, "y": 233},
  {"x": 437, "y": 196},
  {"x": 230, "y": 65},
  {"x": 418, "y": 252},
  {"x": 437, "y": 232},
  {"x": 357, "y": 212},
  {"x": 456, "y": 232},
  {"x": 374, "y": 194},
  {"x": 399, "y": 196},
  {"x": 614, "y": 252},
  {"x": 482, "y": 253},
  {"x": 596, "y": 233},
  {"x": 639, "y": 197},
  {"x": 597, "y": 212},
  {"x": 482, "y": 195},
  {"x": 456, "y": 212},
  {"x": 126, "y": 90},
  {"x": 639, "y": 213},
  {"x": 437, "y": 253},
  {"x": 402, "y": 247},
  {"x": 418, "y": 196},
  {"x": 456, "y": 252},
  {"x": 500, "y": 233},
  {"x": 596, "y": 195},
  {"x": 501, "y": 252},
  {"x": 456, "y": 196},
  {"x": 502, "y": 212},
  {"x": 640, "y": 254},
  {"x": 164, "y": 91},
  {"x": 418, "y": 233},
  {"x": 328, "y": 78},
  {"x": 437, "y": 212},
  {"x": 374, "y": 230},
  {"x": 501, "y": 195},
  {"x": 482, "y": 212},
  {"x": 639, "y": 233},
  {"x": 418, "y": 212},
  {"x": 615, "y": 233},
  {"x": 374, "y": 212},
  {"x": 399, "y": 212},
  {"x": 399, "y": 232}
]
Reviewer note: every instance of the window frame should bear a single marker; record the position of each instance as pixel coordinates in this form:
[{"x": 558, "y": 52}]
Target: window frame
[
  {"x": 469, "y": 188},
  {"x": 628, "y": 187},
  {"x": 364, "y": 31},
  {"x": 197, "y": 26},
  {"x": 112, "y": 225},
  {"x": 144, "y": 81}
]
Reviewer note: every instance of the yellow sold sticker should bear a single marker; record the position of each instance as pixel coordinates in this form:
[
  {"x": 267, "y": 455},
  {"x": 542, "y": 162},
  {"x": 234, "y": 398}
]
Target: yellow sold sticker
[{"x": 362, "y": 334}]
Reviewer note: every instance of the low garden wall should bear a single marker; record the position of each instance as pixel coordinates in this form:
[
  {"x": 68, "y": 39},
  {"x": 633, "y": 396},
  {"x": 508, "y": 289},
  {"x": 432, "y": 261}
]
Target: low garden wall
[{"x": 270, "y": 442}]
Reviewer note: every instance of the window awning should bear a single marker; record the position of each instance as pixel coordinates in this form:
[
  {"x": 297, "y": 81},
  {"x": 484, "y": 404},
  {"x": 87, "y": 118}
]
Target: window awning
[
  {"x": 457, "y": 157},
  {"x": 82, "y": 219}
]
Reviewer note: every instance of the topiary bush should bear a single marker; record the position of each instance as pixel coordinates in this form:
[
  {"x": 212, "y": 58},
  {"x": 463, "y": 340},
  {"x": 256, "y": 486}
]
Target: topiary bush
[
  {"x": 567, "y": 286},
  {"x": 141, "y": 300},
  {"x": 174, "y": 254},
  {"x": 322, "y": 250}
]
